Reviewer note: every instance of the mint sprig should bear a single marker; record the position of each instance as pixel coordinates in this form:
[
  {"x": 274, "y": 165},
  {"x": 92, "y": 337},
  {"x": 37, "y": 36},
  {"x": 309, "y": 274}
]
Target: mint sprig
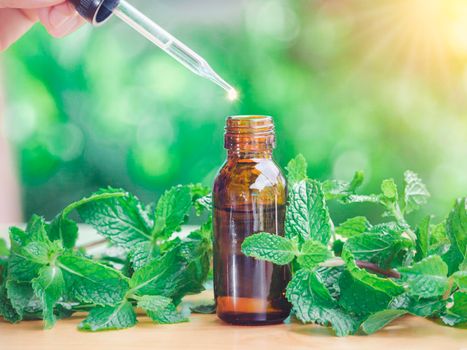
[
  {"x": 361, "y": 276},
  {"x": 44, "y": 275}
]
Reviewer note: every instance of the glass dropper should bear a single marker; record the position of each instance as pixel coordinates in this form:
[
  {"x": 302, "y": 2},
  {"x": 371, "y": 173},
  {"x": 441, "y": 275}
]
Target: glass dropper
[{"x": 167, "y": 42}]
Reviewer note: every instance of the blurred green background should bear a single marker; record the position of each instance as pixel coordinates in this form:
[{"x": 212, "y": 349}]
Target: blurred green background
[{"x": 379, "y": 86}]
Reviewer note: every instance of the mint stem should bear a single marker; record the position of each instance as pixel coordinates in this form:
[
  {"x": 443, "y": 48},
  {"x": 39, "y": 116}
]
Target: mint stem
[{"x": 334, "y": 262}]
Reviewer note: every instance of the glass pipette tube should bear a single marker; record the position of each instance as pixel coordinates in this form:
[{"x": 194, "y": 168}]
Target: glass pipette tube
[{"x": 171, "y": 45}]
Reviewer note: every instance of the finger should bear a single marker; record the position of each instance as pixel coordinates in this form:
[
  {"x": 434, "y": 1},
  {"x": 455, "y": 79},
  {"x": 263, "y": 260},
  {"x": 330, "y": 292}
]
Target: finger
[
  {"x": 60, "y": 20},
  {"x": 28, "y": 4},
  {"x": 13, "y": 24}
]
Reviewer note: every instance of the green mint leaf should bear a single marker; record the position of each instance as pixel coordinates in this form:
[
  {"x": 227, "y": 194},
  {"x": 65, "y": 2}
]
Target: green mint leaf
[
  {"x": 168, "y": 315},
  {"x": 456, "y": 229},
  {"x": 415, "y": 192},
  {"x": 201, "y": 198},
  {"x": 297, "y": 170},
  {"x": 21, "y": 269},
  {"x": 109, "y": 317},
  {"x": 460, "y": 278},
  {"x": 384, "y": 285},
  {"x": 360, "y": 298},
  {"x": 153, "y": 302},
  {"x": 378, "y": 248},
  {"x": 171, "y": 211},
  {"x": 37, "y": 252},
  {"x": 312, "y": 302},
  {"x": 269, "y": 247},
  {"x": 330, "y": 277},
  {"x": 7, "y": 311},
  {"x": 353, "y": 227},
  {"x": 4, "y": 251},
  {"x": 439, "y": 242},
  {"x": 423, "y": 307},
  {"x": 142, "y": 254},
  {"x": 423, "y": 239},
  {"x": 90, "y": 282},
  {"x": 64, "y": 230},
  {"x": 312, "y": 254},
  {"x": 426, "y": 278},
  {"x": 457, "y": 313},
  {"x": 49, "y": 286},
  {"x": 342, "y": 190},
  {"x": 307, "y": 215},
  {"x": 20, "y": 295},
  {"x": 160, "y": 309},
  {"x": 380, "y": 320},
  {"x": 389, "y": 190},
  {"x": 120, "y": 219},
  {"x": 179, "y": 272}
]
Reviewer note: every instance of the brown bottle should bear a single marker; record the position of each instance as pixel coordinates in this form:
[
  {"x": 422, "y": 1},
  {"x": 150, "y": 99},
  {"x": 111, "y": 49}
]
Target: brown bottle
[{"x": 249, "y": 196}]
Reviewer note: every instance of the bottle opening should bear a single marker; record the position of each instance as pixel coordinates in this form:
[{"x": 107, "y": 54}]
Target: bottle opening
[{"x": 249, "y": 132}]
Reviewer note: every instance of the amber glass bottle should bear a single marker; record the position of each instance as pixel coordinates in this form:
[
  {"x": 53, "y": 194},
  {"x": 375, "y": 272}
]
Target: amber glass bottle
[{"x": 249, "y": 196}]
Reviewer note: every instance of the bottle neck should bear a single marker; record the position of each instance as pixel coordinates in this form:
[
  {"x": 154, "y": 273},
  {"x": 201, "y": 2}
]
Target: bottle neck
[
  {"x": 248, "y": 137},
  {"x": 249, "y": 154}
]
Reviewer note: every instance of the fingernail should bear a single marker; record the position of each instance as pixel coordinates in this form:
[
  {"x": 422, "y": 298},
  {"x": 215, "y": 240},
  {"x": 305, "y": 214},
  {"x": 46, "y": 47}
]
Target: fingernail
[
  {"x": 69, "y": 23},
  {"x": 58, "y": 16}
]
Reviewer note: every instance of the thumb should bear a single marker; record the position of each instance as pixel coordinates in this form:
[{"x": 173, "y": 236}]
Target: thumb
[{"x": 28, "y": 4}]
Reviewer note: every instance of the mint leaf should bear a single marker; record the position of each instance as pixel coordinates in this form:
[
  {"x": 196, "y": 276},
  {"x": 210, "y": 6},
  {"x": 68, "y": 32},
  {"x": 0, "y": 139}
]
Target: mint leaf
[
  {"x": 181, "y": 271},
  {"x": 456, "y": 229},
  {"x": 90, "y": 282},
  {"x": 307, "y": 215},
  {"x": 120, "y": 219},
  {"x": 297, "y": 170},
  {"x": 171, "y": 211},
  {"x": 142, "y": 254},
  {"x": 380, "y": 320},
  {"x": 167, "y": 316},
  {"x": 457, "y": 313},
  {"x": 64, "y": 230},
  {"x": 389, "y": 190},
  {"x": 415, "y": 192},
  {"x": 312, "y": 254},
  {"x": 7, "y": 311},
  {"x": 424, "y": 307},
  {"x": 353, "y": 227},
  {"x": 384, "y": 285},
  {"x": 426, "y": 278},
  {"x": 360, "y": 298},
  {"x": 160, "y": 309},
  {"x": 423, "y": 239},
  {"x": 378, "y": 248},
  {"x": 312, "y": 302},
  {"x": 21, "y": 270},
  {"x": 269, "y": 247},
  {"x": 460, "y": 278},
  {"x": 37, "y": 252},
  {"x": 20, "y": 295},
  {"x": 109, "y": 317},
  {"x": 342, "y": 190},
  {"x": 49, "y": 286},
  {"x": 153, "y": 302}
]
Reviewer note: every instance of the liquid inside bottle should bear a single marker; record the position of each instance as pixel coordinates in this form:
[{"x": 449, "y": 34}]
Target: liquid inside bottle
[{"x": 249, "y": 197}]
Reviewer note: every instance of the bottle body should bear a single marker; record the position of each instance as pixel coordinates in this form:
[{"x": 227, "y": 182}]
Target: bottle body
[{"x": 249, "y": 196}]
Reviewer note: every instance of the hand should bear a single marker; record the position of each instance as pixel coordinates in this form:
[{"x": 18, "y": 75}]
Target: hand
[{"x": 17, "y": 16}]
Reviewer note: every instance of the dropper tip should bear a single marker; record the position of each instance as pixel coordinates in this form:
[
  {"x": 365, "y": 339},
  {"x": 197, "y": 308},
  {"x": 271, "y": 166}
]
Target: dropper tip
[{"x": 232, "y": 94}]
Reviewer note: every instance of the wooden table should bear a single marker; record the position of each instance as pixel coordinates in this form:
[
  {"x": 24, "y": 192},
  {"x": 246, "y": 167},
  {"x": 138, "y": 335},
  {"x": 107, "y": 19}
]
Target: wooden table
[{"x": 207, "y": 332}]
